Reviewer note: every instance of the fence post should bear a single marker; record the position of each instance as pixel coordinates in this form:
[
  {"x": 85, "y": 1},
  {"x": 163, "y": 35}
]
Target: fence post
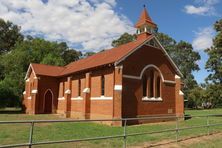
[
  {"x": 177, "y": 131},
  {"x": 124, "y": 133},
  {"x": 31, "y": 134},
  {"x": 208, "y": 127}
]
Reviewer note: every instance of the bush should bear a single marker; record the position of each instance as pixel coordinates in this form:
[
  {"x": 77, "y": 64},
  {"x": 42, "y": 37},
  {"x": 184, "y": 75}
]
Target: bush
[{"x": 7, "y": 97}]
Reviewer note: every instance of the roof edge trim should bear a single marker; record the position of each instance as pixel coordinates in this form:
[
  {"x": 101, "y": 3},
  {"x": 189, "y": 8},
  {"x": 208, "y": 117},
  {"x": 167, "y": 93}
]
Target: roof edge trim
[{"x": 28, "y": 71}]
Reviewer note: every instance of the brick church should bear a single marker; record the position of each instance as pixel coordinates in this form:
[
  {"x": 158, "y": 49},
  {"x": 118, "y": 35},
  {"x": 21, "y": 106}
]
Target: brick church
[{"x": 133, "y": 80}]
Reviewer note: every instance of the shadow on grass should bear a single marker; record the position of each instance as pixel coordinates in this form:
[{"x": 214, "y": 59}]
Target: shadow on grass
[{"x": 187, "y": 117}]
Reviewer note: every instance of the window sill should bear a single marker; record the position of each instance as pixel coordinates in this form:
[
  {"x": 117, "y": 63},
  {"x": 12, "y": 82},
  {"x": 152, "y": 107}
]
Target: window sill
[
  {"x": 77, "y": 98},
  {"x": 61, "y": 98},
  {"x": 101, "y": 98},
  {"x": 152, "y": 99}
]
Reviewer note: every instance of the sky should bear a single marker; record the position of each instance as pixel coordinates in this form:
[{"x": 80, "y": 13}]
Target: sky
[{"x": 91, "y": 25}]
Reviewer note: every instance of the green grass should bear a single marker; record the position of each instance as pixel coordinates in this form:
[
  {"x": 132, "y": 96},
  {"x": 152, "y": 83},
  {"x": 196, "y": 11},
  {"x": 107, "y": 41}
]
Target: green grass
[{"x": 19, "y": 133}]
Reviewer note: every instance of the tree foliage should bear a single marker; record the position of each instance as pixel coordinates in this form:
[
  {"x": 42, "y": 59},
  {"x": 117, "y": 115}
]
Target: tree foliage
[
  {"x": 123, "y": 39},
  {"x": 16, "y": 55},
  {"x": 196, "y": 96},
  {"x": 214, "y": 66},
  {"x": 9, "y": 35},
  {"x": 214, "y": 94},
  {"x": 71, "y": 55},
  {"x": 214, "y": 62},
  {"x": 185, "y": 58}
]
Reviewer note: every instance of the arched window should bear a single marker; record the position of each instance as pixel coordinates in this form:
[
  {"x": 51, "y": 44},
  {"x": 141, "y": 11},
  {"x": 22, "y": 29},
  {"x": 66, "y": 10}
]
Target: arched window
[
  {"x": 79, "y": 87},
  {"x": 102, "y": 85},
  {"x": 144, "y": 86},
  {"x": 151, "y": 82}
]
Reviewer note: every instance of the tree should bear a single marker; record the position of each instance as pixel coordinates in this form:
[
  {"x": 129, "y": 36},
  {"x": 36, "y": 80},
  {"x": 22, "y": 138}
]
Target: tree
[
  {"x": 71, "y": 55},
  {"x": 167, "y": 42},
  {"x": 214, "y": 62},
  {"x": 1, "y": 69},
  {"x": 31, "y": 50},
  {"x": 51, "y": 59},
  {"x": 9, "y": 35},
  {"x": 186, "y": 59},
  {"x": 8, "y": 97},
  {"x": 214, "y": 94},
  {"x": 196, "y": 96},
  {"x": 16, "y": 53},
  {"x": 214, "y": 66},
  {"x": 123, "y": 39}
]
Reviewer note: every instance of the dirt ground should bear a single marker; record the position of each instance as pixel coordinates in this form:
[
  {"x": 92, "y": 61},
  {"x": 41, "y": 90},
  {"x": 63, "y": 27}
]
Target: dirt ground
[{"x": 184, "y": 143}]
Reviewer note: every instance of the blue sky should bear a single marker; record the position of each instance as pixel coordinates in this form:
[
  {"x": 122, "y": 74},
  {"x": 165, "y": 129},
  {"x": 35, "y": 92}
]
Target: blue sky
[{"x": 91, "y": 25}]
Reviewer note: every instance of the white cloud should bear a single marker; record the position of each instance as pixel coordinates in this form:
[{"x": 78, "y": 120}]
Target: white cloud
[
  {"x": 91, "y": 24},
  {"x": 207, "y": 2},
  {"x": 190, "y": 9},
  {"x": 203, "y": 38},
  {"x": 203, "y": 7}
]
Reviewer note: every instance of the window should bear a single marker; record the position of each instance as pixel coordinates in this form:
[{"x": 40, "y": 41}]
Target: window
[
  {"x": 144, "y": 86},
  {"x": 79, "y": 87},
  {"x": 158, "y": 87},
  {"x": 151, "y": 77},
  {"x": 102, "y": 85},
  {"x": 151, "y": 83}
]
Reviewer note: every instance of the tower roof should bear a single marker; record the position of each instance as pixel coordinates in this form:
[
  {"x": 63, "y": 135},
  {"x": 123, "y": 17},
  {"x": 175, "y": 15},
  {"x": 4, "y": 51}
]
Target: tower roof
[{"x": 144, "y": 19}]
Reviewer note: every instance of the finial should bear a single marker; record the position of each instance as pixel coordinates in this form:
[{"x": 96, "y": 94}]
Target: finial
[{"x": 144, "y": 6}]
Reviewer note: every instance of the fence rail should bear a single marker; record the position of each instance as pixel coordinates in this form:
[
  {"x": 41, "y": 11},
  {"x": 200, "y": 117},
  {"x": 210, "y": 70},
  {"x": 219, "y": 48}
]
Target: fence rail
[{"x": 124, "y": 135}]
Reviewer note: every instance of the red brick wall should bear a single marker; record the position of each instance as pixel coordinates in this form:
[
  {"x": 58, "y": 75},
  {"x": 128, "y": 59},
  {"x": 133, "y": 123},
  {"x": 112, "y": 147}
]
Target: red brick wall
[
  {"x": 179, "y": 98},
  {"x": 97, "y": 108},
  {"x": 132, "y": 88},
  {"x": 96, "y": 86},
  {"x": 47, "y": 83},
  {"x": 102, "y": 107},
  {"x": 145, "y": 56},
  {"x": 96, "y": 83},
  {"x": 77, "y": 105},
  {"x": 61, "y": 102},
  {"x": 29, "y": 85}
]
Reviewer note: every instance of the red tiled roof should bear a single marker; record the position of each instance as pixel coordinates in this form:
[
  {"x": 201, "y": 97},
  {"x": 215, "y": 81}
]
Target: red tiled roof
[
  {"x": 47, "y": 70},
  {"x": 144, "y": 18},
  {"x": 102, "y": 58}
]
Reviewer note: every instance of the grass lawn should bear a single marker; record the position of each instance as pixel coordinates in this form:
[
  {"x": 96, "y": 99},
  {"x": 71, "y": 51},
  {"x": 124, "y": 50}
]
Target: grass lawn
[{"x": 19, "y": 133}]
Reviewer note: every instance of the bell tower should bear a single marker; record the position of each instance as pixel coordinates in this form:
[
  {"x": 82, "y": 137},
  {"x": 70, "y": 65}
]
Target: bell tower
[{"x": 145, "y": 26}]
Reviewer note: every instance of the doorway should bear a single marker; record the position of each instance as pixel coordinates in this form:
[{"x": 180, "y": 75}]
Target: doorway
[{"x": 48, "y": 100}]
